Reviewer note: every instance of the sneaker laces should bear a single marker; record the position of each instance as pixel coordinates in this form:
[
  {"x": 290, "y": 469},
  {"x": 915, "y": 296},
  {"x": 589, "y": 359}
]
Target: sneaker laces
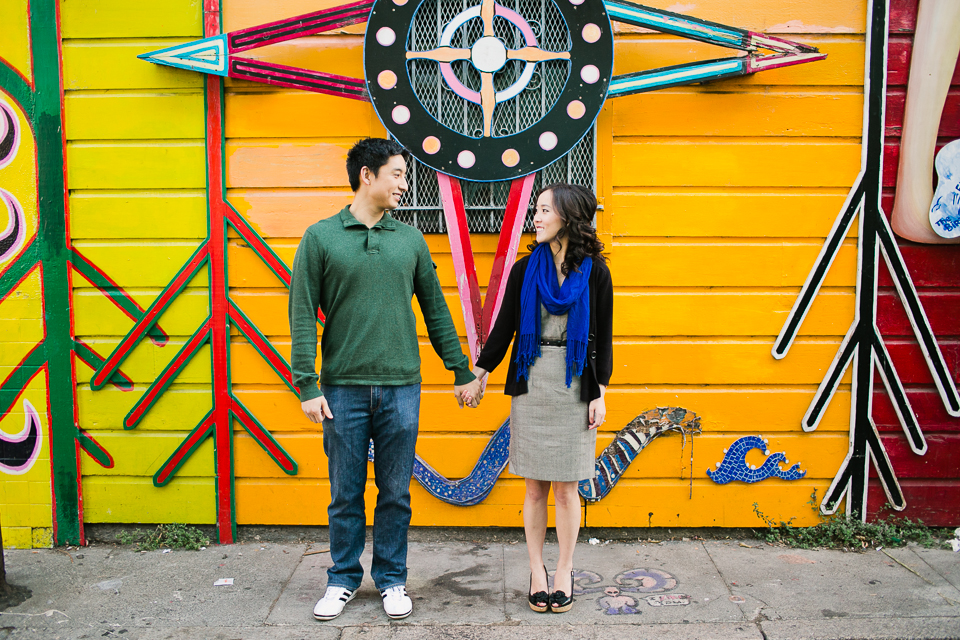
[
  {"x": 397, "y": 592},
  {"x": 337, "y": 593}
]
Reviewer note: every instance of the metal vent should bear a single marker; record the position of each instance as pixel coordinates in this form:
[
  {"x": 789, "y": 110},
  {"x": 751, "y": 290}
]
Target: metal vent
[{"x": 485, "y": 201}]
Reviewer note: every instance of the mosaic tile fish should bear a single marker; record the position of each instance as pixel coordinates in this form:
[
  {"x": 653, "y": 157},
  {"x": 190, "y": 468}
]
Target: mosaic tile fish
[{"x": 734, "y": 464}]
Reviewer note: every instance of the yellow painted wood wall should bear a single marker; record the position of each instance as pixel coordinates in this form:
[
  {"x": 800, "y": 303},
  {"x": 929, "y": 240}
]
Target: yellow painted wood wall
[
  {"x": 716, "y": 201},
  {"x": 25, "y": 499}
]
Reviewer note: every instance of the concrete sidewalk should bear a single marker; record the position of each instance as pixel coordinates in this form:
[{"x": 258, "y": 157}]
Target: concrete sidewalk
[{"x": 723, "y": 589}]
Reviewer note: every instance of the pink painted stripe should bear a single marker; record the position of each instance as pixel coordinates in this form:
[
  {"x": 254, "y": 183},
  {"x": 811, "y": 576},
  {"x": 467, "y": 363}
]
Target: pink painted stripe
[
  {"x": 295, "y": 73},
  {"x": 776, "y": 62},
  {"x": 463, "y": 265},
  {"x": 507, "y": 247},
  {"x": 299, "y": 26},
  {"x": 293, "y": 77}
]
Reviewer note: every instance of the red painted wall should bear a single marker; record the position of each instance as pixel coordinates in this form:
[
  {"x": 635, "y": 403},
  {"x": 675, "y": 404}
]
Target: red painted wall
[{"x": 931, "y": 483}]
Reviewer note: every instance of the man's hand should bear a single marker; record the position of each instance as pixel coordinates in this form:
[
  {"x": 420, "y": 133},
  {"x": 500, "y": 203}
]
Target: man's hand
[
  {"x": 317, "y": 409},
  {"x": 469, "y": 394}
]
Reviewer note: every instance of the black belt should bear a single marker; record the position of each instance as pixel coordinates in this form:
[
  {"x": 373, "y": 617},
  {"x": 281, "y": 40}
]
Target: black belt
[{"x": 553, "y": 343}]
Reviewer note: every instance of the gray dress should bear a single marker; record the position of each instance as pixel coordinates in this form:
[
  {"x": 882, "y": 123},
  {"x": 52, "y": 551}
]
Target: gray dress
[{"x": 550, "y": 437}]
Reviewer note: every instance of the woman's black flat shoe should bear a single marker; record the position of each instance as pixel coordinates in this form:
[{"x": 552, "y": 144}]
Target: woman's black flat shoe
[
  {"x": 560, "y": 601},
  {"x": 539, "y": 601}
]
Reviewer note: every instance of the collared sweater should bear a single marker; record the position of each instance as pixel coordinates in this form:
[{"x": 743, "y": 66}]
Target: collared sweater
[{"x": 364, "y": 281}]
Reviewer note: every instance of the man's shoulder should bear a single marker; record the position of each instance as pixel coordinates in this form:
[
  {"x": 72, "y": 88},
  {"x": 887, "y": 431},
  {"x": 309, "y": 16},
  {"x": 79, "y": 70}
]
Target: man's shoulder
[
  {"x": 405, "y": 228},
  {"x": 407, "y": 232},
  {"x": 325, "y": 226}
]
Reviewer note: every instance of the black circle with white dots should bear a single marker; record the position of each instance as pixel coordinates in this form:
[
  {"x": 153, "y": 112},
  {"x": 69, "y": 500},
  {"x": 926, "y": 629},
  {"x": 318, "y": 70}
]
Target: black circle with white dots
[{"x": 488, "y": 158}]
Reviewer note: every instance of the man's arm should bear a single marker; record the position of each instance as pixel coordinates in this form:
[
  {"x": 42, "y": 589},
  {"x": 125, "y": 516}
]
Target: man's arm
[
  {"x": 440, "y": 328},
  {"x": 304, "y": 302}
]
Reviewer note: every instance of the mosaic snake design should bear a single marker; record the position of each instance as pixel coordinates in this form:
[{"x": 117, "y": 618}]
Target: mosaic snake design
[{"x": 610, "y": 465}]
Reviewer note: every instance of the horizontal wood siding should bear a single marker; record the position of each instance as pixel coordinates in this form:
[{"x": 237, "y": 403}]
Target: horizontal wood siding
[
  {"x": 136, "y": 174},
  {"x": 716, "y": 200},
  {"x": 931, "y": 483}
]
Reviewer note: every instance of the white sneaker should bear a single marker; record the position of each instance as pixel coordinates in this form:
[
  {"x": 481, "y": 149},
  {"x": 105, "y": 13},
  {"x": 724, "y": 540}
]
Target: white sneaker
[
  {"x": 396, "y": 602},
  {"x": 331, "y": 604}
]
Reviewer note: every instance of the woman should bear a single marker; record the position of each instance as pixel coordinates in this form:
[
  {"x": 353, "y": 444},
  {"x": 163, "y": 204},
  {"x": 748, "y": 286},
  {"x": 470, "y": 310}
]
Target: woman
[{"x": 559, "y": 303}]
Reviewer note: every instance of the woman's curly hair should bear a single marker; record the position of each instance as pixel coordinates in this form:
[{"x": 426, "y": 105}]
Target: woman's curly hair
[{"x": 576, "y": 207}]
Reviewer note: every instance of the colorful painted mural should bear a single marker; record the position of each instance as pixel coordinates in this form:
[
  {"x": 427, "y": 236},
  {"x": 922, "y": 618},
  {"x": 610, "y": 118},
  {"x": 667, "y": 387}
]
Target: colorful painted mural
[{"x": 160, "y": 160}]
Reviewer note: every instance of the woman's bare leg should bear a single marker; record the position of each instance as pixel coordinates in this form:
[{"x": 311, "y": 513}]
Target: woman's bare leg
[
  {"x": 935, "y": 50},
  {"x": 535, "y": 529},
  {"x": 567, "y": 501}
]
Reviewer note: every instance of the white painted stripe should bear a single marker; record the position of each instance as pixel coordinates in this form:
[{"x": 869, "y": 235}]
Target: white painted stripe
[
  {"x": 655, "y": 19},
  {"x": 663, "y": 78}
]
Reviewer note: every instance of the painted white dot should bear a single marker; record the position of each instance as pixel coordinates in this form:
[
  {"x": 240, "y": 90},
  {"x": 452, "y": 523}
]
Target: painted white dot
[
  {"x": 400, "y": 114},
  {"x": 466, "y": 159},
  {"x": 576, "y": 2},
  {"x": 386, "y": 36},
  {"x": 488, "y": 54},
  {"x": 590, "y": 74},
  {"x": 548, "y": 140}
]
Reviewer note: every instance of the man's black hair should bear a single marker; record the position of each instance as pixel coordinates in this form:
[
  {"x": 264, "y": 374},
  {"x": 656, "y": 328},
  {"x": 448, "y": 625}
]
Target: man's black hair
[{"x": 372, "y": 153}]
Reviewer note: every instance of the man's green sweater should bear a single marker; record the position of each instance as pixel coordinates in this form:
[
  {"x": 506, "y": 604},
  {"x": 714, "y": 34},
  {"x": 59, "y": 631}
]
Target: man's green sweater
[{"x": 364, "y": 281}]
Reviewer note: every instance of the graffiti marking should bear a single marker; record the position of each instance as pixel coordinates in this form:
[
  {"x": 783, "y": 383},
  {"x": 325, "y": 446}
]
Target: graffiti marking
[
  {"x": 668, "y": 600},
  {"x": 18, "y": 452}
]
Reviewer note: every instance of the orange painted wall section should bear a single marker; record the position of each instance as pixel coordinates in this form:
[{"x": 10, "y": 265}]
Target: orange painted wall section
[{"x": 715, "y": 203}]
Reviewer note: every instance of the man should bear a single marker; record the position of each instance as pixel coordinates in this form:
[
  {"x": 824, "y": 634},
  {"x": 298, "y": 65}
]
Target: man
[{"x": 362, "y": 268}]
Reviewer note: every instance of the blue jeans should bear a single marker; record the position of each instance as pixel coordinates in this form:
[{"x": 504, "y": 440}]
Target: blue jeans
[{"x": 389, "y": 416}]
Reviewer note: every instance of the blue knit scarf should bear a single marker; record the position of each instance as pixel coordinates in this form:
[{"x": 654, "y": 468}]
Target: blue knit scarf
[{"x": 541, "y": 285}]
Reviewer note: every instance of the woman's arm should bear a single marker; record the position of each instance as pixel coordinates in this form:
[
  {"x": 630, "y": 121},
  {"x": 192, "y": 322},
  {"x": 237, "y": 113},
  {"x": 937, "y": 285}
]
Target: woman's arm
[
  {"x": 498, "y": 340},
  {"x": 598, "y": 409},
  {"x": 604, "y": 337}
]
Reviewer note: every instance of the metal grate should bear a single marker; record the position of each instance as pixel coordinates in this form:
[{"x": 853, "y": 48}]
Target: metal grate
[{"x": 485, "y": 201}]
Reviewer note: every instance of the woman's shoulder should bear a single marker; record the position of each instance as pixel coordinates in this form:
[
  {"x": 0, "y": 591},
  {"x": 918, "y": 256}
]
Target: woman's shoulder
[
  {"x": 600, "y": 266},
  {"x": 519, "y": 266}
]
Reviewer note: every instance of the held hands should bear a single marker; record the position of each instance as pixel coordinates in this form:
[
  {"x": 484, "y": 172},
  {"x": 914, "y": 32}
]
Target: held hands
[
  {"x": 469, "y": 394},
  {"x": 317, "y": 409}
]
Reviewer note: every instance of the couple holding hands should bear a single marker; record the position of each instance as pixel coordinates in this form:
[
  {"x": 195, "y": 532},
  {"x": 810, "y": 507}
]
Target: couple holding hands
[{"x": 362, "y": 268}]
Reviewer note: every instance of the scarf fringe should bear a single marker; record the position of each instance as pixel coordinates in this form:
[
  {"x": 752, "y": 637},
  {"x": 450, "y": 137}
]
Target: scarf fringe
[
  {"x": 528, "y": 350},
  {"x": 576, "y": 359}
]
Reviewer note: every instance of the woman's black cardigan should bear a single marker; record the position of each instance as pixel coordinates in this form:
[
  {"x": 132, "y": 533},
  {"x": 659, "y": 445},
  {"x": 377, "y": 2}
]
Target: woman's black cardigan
[{"x": 599, "y": 341}]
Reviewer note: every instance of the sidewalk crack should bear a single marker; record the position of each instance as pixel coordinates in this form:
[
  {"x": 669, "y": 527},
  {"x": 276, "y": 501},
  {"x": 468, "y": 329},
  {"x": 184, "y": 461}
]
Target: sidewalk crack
[
  {"x": 932, "y": 568},
  {"x": 286, "y": 583},
  {"x": 503, "y": 582}
]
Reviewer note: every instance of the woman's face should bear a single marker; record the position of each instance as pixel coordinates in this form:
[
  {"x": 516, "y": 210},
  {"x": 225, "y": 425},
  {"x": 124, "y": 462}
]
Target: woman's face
[{"x": 547, "y": 220}]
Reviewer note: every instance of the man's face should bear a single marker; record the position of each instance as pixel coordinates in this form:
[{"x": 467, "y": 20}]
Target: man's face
[{"x": 387, "y": 186}]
